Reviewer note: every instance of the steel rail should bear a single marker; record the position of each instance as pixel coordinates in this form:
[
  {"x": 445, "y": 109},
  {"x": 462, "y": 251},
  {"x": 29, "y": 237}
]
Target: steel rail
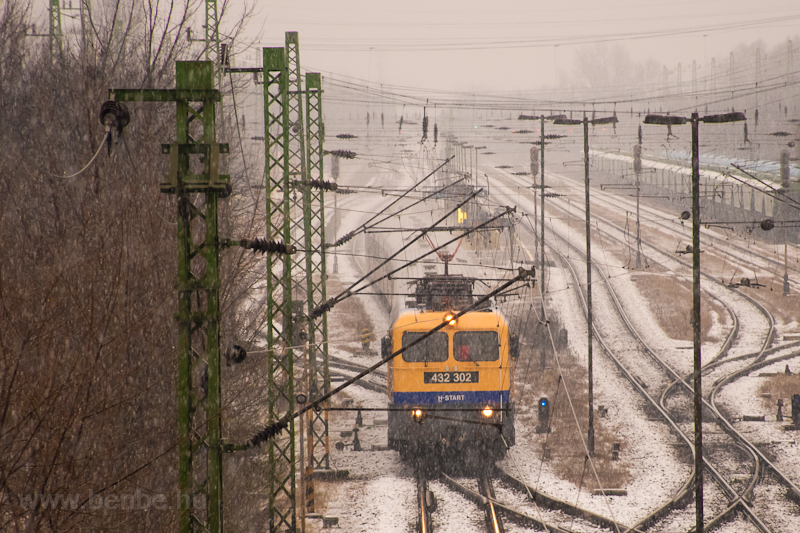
[
  {"x": 684, "y": 491},
  {"x": 736, "y": 499},
  {"x": 424, "y": 520},
  {"x": 493, "y": 522},
  {"x": 510, "y": 513}
]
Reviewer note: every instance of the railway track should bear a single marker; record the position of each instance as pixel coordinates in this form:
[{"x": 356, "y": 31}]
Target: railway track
[
  {"x": 426, "y": 502},
  {"x": 494, "y": 523},
  {"x": 737, "y": 500},
  {"x": 746, "y": 363},
  {"x": 674, "y": 384},
  {"x": 551, "y": 510}
]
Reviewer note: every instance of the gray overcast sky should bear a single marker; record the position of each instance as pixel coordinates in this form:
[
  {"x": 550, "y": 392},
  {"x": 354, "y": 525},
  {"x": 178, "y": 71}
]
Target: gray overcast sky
[{"x": 510, "y": 45}]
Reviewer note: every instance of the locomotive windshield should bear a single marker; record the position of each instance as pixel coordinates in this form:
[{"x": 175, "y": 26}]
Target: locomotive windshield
[
  {"x": 476, "y": 346},
  {"x": 430, "y": 350}
]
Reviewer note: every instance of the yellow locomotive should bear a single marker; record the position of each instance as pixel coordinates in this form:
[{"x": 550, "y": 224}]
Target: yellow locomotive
[{"x": 454, "y": 390}]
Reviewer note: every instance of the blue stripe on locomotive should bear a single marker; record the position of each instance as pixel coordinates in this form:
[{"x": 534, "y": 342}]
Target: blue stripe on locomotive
[{"x": 444, "y": 397}]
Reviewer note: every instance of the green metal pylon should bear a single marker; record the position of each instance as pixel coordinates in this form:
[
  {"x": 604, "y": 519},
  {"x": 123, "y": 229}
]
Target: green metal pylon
[
  {"x": 300, "y": 204},
  {"x": 212, "y": 39},
  {"x": 314, "y": 215},
  {"x": 199, "y": 385},
  {"x": 86, "y": 25},
  {"x": 56, "y": 34},
  {"x": 280, "y": 330},
  {"x": 296, "y": 151}
]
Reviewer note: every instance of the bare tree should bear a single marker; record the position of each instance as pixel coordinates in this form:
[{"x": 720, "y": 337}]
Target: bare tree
[{"x": 87, "y": 335}]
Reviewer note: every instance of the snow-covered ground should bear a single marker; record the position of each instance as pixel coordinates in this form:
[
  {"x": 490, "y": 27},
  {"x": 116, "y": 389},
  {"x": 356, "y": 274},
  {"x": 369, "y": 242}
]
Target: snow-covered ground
[{"x": 380, "y": 492}]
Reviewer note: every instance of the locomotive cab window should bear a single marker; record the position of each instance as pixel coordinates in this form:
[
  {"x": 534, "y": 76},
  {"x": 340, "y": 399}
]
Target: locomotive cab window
[
  {"x": 476, "y": 346},
  {"x": 430, "y": 350}
]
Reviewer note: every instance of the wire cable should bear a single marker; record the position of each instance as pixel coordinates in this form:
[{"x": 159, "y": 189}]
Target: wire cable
[{"x": 81, "y": 171}]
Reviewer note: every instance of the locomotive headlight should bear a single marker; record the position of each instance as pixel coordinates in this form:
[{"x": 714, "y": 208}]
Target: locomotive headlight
[
  {"x": 487, "y": 411},
  {"x": 417, "y": 414},
  {"x": 450, "y": 319}
]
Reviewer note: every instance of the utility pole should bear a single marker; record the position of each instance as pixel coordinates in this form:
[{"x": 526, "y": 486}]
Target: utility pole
[
  {"x": 696, "y": 331},
  {"x": 590, "y": 324},
  {"x": 696, "y": 337},
  {"x": 212, "y": 44},
  {"x": 200, "y": 444},
  {"x": 541, "y": 256},
  {"x": 84, "y": 10},
  {"x": 637, "y": 169},
  {"x": 758, "y": 78},
  {"x": 86, "y": 23},
  {"x": 280, "y": 324},
  {"x": 316, "y": 267},
  {"x": 590, "y": 437},
  {"x": 56, "y": 33}
]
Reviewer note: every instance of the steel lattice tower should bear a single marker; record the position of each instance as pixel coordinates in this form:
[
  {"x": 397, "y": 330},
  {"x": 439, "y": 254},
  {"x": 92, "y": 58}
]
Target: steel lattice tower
[
  {"x": 314, "y": 219},
  {"x": 296, "y": 153},
  {"x": 56, "y": 34},
  {"x": 300, "y": 205},
  {"x": 280, "y": 369},
  {"x": 212, "y": 39},
  {"x": 199, "y": 388}
]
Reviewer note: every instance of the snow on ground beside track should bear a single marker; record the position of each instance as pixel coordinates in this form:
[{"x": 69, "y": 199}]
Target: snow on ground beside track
[
  {"x": 380, "y": 495},
  {"x": 650, "y": 447},
  {"x": 742, "y": 397},
  {"x": 385, "y": 501}
]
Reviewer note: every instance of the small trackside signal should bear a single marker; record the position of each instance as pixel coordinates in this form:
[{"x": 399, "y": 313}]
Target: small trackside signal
[{"x": 544, "y": 415}]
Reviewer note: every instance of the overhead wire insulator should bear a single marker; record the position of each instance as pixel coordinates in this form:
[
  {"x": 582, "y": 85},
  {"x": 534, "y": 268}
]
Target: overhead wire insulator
[
  {"x": 322, "y": 185},
  {"x": 346, "y": 136},
  {"x": 424, "y": 128},
  {"x": 323, "y": 308},
  {"x": 344, "y": 191},
  {"x": 114, "y": 114},
  {"x": 343, "y": 239},
  {"x": 271, "y": 431},
  {"x": 268, "y": 246},
  {"x": 344, "y": 154},
  {"x": 435, "y": 134}
]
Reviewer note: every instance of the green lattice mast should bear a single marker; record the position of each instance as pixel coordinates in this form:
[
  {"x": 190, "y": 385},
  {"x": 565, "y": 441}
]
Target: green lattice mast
[
  {"x": 56, "y": 33},
  {"x": 314, "y": 218},
  {"x": 281, "y": 484},
  {"x": 300, "y": 199},
  {"x": 212, "y": 43},
  {"x": 199, "y": 388},
  {"x": 296, "y": 151}
]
